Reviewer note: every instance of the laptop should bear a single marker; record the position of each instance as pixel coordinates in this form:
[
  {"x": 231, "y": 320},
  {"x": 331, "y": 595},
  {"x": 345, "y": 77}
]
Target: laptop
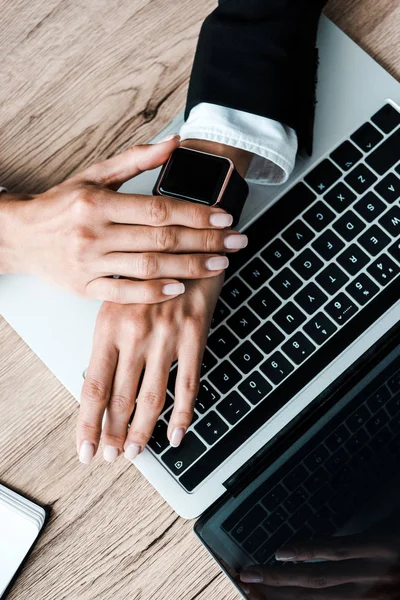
[{"x": 316, "y": 288}]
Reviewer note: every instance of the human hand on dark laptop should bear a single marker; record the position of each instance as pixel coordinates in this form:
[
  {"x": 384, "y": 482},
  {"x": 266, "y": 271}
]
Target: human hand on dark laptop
[
  {"x": 351, "y": 567},
  {"x": 81, "y": 232},
  {"x": 128, "y": 339}
]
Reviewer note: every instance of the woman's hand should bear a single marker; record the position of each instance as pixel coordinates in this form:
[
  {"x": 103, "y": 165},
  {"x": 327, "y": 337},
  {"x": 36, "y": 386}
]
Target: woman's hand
[
  {"x": 81, "y": 232},
  {"x": 133, "y": 338},
  {"x": 352, "y": 568}
]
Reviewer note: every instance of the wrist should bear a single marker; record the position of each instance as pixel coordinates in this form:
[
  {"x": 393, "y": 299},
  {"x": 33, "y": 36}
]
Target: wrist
[
  {"x": 10, "y": 232},
  {"x": 240, "y": 158}
]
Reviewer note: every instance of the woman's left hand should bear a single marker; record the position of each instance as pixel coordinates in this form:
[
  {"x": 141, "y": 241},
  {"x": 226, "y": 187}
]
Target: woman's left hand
[{"x": 129, "y": 339}]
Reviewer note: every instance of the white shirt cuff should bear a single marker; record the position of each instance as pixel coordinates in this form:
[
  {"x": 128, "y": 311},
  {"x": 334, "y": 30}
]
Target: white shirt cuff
[{"x": 273, "y": 144}]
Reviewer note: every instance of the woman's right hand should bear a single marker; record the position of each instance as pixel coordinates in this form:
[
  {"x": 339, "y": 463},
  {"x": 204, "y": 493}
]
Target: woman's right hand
[{"x": 81, "y": 232}]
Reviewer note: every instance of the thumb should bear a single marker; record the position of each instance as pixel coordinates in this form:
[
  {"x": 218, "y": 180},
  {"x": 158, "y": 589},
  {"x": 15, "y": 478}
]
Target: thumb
[{"x": 115, "y": 171}]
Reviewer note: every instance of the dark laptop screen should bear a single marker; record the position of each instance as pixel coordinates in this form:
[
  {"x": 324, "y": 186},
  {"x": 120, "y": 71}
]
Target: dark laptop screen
[{"x": 330, "y": 502}]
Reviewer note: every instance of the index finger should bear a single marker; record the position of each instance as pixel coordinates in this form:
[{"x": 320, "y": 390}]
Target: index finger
[{"x": 159, "y": 211}]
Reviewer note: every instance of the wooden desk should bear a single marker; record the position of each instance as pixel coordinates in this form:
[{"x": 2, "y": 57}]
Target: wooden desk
[{"x": 81, "y": 81}]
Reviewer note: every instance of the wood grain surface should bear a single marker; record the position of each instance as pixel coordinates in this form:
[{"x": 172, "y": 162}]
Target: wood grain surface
[{"x": 82, "y": 80}]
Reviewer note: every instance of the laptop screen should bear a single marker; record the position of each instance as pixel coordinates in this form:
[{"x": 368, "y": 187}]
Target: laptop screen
[{"x": 327, "y": 506}]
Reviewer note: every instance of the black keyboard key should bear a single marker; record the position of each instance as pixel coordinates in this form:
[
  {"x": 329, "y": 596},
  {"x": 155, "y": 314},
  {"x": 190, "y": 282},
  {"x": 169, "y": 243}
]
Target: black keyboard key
[
  {"x": 207, "y": 363},
  {"x": 268, "y": 337},
  {"x": 377, "y": 422},
  {"x": 243, "y": 322},
  {"x": 276, "y": 368},
  {"x": 307, "y": 264},
  {"x": 256, "y": 273},
  {"x": 395, "y": 251},
  {"x": 386, "y": 155},
  {"x": 298, "y": 235},
  {"x": 383, "y": 270},
  {"x": 295, "y": 500},
  {"x": 233, "y": 408},
  {"x": 367, "y": 137},
  {"x": 323, "y": 176},
  {"x": 322, "y": 497},
  {"x": 159, "y": 441},
  {"x": 275, "y": 520},
  {"x": 273, "y": 544},
  {"x": 246, "y": 357},
  {"x": 346, "y": 156},
  {"x": 255, "y": 387},
  {"x": 387, "y": 118},
  {"x": 225, "y": 377},
  {"x": 319, "y": 216},
  {"x": 222, "y": 341},
  {"x": 328, "y": 244},
  {"x": 356, "y": 442},
  {"x": 255, "y": 540},
  {"x": 249, "y": 523},
  {"x": 211, "y": 428},
  {"x": 264, "y": 303},
  {"x": 207, "y": 396},
  {"x": 362, "y": 289},
  {"x": 285, "y": 283},
  {"x": 298, "y": 348},
  {"x": 320, "y": 328},
  {"x": 220, "y": 313},
  {"x": 179, "y": 459},
  {"x": 393, "y": 406},
  {"x": 316, "y": 480},
  {"x": 332, "y": 279},
  {"x": 289, "y": 318},
  {"x": 360, "y": 179},
  {"x": 341, "y": 309},
  {"x": 311, "y": 298},
  {"x": 370, "y": 207},
  {"x": 336, "y": 439},
  {"x": 394, "y": 383},
  {"x": 340, "y": 197},
  {"x": 353, "y": 259},
  {"x": 301, "y": 517},
  {"x": 389, "y": 188},
  {"x": 391, "y": 221},
  {"x": 277, "y": 254},
  {"x": 316, "y": 458},
  {"x": 378, "y": 399},
  {"x": 374, "y": 240},
  {"x": 234, "y": 292},
  {"x": 337, "y": 461},
  {"x": 357, "y": 419},
  {"x": 349, "y": 226},
  {"x": 274, "y": 498},
  {"x": 295, "y": 478}
]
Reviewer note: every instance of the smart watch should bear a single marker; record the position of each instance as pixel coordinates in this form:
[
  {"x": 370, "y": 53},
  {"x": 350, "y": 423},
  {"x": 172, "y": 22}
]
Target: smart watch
[{"x": 204, "y": 178}]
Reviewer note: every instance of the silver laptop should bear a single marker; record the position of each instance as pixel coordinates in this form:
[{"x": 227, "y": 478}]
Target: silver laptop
[{"x": 316, "y": 288}]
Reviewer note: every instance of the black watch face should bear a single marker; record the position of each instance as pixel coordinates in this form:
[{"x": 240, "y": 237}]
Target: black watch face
[{"x": 194, "y": 176}]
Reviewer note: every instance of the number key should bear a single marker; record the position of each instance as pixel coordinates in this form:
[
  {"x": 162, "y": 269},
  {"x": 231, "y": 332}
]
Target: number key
[
  {"x": 383, "y": 270},
  {"x": 320, "y": 328},
  {"x": 341, "y": 309},
  {"x": 362, "y": 289},
  {"x": 276, "y": 368},
  {"x": 298, "y": 348},
  {"x": 255, "y": 387}
]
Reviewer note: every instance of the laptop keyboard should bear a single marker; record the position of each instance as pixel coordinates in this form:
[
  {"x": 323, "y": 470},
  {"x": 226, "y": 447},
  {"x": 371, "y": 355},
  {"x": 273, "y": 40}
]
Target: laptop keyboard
[
  {"x": 329, "y": 478},
  {"x": 321, "y": 266}
]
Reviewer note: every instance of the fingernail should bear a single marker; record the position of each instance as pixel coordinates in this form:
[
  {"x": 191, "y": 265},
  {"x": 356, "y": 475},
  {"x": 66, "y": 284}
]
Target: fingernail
[
  {"x": 285, "y": 554},
  {"x": 221, "y": 220},
  {"x": 173, "y": 289},
  {"x": 110, "y": 454},
  {"x": 251, "y": 576},
  {"x": 177, "y": 436},
  {"x": 216, "y": 263},
  {"x": 132, "y": 451},
  {"x": 86, "y": 452},
  {"x": 236, "y": 242},
  {"x": 168, "y": 138},
  {"x": 246, "y": 589}
]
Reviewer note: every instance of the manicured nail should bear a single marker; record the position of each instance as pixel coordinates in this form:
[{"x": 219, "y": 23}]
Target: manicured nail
[
  {"x": 251, "y": 576},
  {"x": 285, "y": 554},
  {"x": 110, "y": 454},
  {"x": 236, "y": 242},
  {"x": 86, "y": 453},
  {"x": 216, "y": 263},
  {"x": 132, "y": 451},
  {"x": 173, "y": 289},
  {"x": 177, "y": 436},
  {"x": 169, "y": 138},
  {"x": 221, "y": 220},
  {"x": 246, "y": 589}
]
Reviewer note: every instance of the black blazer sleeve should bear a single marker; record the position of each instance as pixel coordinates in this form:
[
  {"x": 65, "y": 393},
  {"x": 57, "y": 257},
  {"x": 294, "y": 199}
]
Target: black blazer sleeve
[{"x": 259, "y": 56}]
